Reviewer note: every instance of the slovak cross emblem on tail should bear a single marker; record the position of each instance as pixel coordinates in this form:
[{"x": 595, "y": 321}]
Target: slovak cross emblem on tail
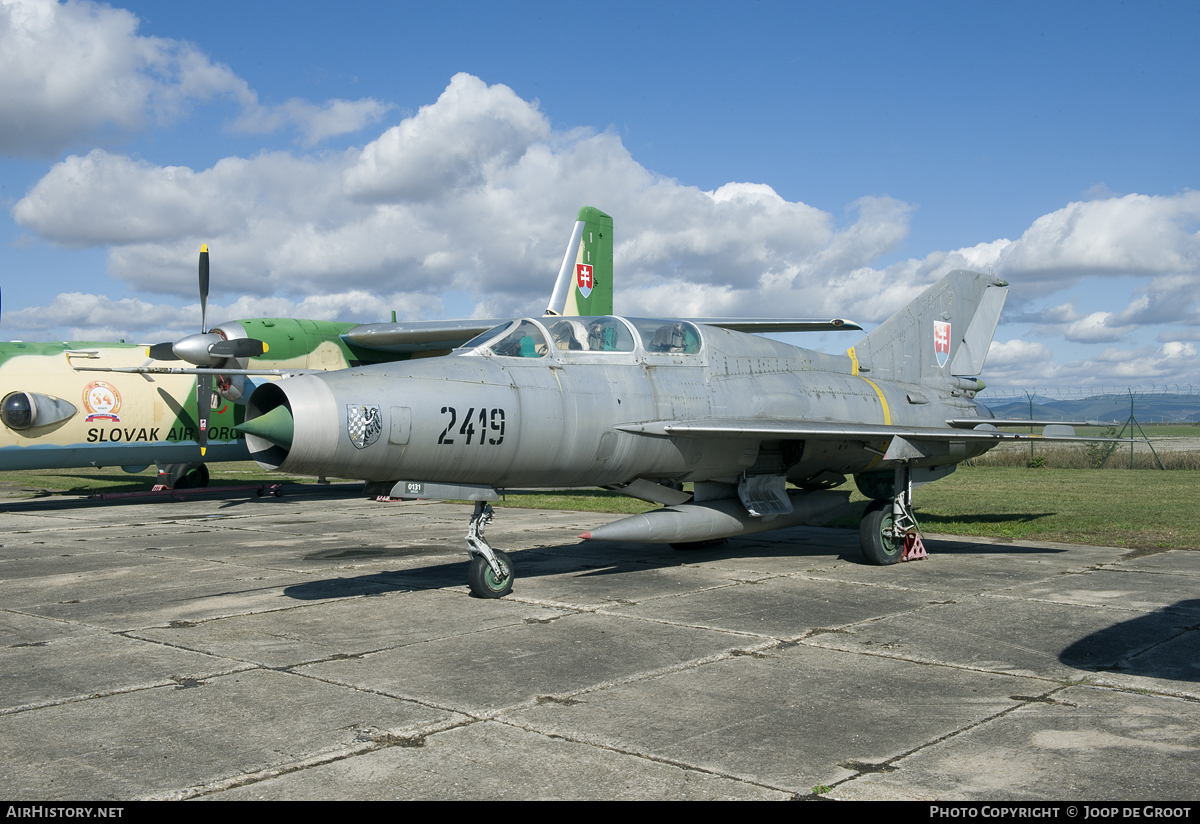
[
  {"x": 941, "y": 341},
  {"x": 583, "y": 278},
  {"x": 363, "y": 424}
]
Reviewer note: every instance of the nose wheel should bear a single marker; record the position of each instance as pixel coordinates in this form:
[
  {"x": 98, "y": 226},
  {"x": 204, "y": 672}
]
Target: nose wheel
[
  {"x": 483, "y": 580},
  {"x": 491, "y": 572}
]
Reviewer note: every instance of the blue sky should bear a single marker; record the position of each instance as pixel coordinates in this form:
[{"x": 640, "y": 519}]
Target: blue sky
[{"x": 882, "y": 144}]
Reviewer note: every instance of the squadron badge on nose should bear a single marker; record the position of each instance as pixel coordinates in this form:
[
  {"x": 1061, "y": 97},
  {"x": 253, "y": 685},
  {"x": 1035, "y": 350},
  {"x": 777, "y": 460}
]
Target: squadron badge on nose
[{"x": 363, "y": 424}]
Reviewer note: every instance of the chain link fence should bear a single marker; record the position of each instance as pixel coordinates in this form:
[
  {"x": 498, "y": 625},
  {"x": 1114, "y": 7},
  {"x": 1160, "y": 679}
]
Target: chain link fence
[
  {"x": 1157, "y": 404},
  {"x": 1159, "y": 426}
]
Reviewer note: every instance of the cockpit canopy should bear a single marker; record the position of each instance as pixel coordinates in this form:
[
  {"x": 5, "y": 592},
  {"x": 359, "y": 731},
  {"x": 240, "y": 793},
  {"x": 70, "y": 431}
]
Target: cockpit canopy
[
  {"x": 601, "y": 333},
  {"x": 591, "y": 334},
  {"x": 668, "y": 336}
]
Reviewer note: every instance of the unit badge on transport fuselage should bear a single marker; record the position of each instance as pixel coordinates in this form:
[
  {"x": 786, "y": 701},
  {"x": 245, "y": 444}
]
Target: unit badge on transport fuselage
[{"x": 102, "y": 401}]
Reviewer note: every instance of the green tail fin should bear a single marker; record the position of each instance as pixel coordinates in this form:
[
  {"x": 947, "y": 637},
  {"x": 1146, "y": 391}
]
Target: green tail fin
[{"x": 585, "y": 279}]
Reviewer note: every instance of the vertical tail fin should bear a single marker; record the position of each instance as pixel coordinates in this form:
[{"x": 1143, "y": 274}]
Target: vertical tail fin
[
  {"x": 585, "y": 279},
  {"x": 945, "y": 332}
]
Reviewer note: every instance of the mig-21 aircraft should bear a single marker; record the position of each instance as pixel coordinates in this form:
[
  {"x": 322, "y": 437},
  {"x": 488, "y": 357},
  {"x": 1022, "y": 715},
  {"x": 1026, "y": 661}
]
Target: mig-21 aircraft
[
  {"x": 57, "y": 414},
  {"x": 644, "y": 406}
]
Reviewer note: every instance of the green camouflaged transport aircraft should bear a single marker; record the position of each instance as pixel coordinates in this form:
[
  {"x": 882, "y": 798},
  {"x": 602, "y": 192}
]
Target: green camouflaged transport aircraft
[{"x": 83, "y": 403}]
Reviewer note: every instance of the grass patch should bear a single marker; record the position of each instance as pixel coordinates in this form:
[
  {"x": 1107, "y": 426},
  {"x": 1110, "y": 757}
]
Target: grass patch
[
  {"x": 1089, "y": 456},
  {"x": 1148, "y": 511},
  {"x": 1153, "y": 430},
  {"x": 1140, "y": 510}
]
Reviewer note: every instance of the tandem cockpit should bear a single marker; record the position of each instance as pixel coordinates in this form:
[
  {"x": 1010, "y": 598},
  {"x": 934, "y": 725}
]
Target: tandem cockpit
[{"x": 575, "y": 337}]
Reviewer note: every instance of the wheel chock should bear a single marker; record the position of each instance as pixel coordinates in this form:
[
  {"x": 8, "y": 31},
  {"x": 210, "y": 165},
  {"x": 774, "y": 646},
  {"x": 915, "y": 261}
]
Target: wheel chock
[{"x": 914, "y": 547}]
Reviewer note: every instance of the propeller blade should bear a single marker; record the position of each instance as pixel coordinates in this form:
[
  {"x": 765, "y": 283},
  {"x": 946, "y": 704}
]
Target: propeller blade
[
  {"x": 204, "y": 399},
  {"x": 162, "y": 351},
  {"x": 238, "y": 348},
  {"x": 204, "y": 288}
]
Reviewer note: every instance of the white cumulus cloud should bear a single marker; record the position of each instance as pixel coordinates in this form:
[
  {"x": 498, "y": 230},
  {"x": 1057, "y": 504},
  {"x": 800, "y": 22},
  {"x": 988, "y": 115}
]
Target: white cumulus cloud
[
  {"x": 476, "y": 193},
  {"x": 77, "y": 71},
  {"x": 1030, "y": 364},
  {"x": 80, "y": 316}
]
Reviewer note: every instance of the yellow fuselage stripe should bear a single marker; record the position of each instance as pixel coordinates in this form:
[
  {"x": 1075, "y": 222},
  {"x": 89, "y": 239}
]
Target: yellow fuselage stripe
[
  {"x": 854, "y": 362},
  {"x": 887, "y": 413}
]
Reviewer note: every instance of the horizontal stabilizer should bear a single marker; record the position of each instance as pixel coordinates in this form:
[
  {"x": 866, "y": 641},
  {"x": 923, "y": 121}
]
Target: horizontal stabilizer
[
  {"x": 765, "y": 325},
  {"x": 759, "y": 428},
  {"x": 971, "y": 423}
]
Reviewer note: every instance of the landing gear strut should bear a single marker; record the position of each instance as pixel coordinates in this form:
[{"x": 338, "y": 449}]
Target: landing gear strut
[
  {"x": 491, "y": 571},
  {"x": 888, "y": 532},
  {"x": 183, "y": 476}
]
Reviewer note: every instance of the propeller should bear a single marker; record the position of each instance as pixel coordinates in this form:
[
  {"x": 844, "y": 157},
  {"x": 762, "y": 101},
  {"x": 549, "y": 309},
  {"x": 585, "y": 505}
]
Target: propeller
[{"x": 206, "y": 349}]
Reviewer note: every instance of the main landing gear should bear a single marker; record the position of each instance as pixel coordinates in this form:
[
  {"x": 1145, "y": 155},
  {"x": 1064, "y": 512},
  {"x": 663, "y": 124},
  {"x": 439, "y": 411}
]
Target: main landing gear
[
  {"x": 491, "y": 571},
  {"x": 888, "y": 532},
  {"x": 183, "y": 476}
]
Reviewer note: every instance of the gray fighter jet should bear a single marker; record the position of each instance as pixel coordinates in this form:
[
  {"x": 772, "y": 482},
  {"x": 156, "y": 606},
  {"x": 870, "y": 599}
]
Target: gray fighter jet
[{"x": 644, "y": 406}]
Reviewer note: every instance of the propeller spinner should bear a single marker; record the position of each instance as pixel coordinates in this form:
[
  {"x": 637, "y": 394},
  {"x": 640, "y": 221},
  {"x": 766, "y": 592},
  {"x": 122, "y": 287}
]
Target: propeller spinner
[{"x": 206, "y": 349}]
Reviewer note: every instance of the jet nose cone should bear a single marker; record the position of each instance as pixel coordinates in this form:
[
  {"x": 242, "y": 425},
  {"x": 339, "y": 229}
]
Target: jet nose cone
[{"x": 275, "y": 426}]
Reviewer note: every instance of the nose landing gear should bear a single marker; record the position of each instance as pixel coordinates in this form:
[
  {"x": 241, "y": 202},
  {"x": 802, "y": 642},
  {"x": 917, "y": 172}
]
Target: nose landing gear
[{"x": 491, "y": 572}]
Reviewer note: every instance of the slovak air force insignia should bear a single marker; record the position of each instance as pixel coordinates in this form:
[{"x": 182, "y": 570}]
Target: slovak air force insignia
[
  {"x": 102, "y": 400},
  {"x": 363, "y": 424},
  {"x": 583, "y": 278},
  {"x": 941, "y": 341}
]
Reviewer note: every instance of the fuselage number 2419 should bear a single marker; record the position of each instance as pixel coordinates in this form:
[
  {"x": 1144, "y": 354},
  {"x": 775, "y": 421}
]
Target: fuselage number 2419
[{"x": 474, "y": 424}]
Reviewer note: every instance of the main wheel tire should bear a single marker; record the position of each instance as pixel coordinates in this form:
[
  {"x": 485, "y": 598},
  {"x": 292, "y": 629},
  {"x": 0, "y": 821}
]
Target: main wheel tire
[
  {"x": 878, "y": 548},
  {"x": 484, "y": 583},
  {"x": 187, "y": 476}
]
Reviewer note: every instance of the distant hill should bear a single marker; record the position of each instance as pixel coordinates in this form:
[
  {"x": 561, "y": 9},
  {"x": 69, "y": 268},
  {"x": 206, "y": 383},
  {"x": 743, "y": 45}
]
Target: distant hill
[{"x": 1163, "y": 408}]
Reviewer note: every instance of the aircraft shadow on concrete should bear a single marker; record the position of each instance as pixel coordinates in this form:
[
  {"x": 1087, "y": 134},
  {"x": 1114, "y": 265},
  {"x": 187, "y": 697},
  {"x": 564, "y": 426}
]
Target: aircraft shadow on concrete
[
  {"x": 580, "y": 559},
  {"x": 598, "y": 558},
  {"x": 1163, "y": 644},
  {"x": 78, "y": 499}
]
